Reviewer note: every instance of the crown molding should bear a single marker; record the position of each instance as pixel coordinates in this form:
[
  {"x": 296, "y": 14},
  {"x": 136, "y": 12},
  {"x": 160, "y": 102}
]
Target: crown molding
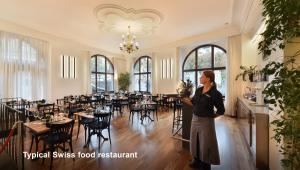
[{"x": 116, "y": 19}]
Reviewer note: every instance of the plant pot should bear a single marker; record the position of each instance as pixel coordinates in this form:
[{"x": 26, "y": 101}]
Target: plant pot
[
  {"x": 251, "y": 76},
  {"x": 186, "y": 93}
]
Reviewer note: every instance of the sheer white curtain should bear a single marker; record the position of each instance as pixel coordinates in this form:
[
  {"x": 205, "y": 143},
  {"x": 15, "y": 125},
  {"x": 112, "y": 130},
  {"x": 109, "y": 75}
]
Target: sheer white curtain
[
  {"x": 234, "y": 62},
  {"x": 23, "y": 66}
]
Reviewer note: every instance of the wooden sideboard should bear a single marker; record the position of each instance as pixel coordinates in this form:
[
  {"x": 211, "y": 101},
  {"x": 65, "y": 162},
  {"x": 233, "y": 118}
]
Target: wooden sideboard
[{"x": 253, "y": 122}]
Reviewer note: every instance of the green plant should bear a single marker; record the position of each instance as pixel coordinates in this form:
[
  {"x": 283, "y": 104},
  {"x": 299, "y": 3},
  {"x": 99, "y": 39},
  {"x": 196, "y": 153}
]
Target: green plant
[
  {"x": 246, "y": 71},
  {"x": 124, "y": 81},
  {"x": 282, "y": 18},
  {"x": 185, "y": 88},
  {"x": 283, "y": 92}
]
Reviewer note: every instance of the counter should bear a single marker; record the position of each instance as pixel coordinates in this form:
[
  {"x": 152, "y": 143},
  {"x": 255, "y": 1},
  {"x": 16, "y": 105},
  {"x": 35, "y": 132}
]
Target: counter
[{"x": 253, "y": 122}]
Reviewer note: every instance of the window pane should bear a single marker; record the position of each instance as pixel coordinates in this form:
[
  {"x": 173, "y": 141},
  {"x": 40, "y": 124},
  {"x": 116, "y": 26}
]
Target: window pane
[
  {"x": 143, "y": 65},
  {"x": 143, "y": 82},
  {"x": 220, "y": 79},
  {"x": 137, "y": 67},
  {"x": 100, "y": 64},
  {"x": 110, "y": 82},
  {"x": 219, "y": 58},
  {"x": 150, "y": 65},
  {"x": 149, "y": 83},
  {"x": 92, "y": 64},
  {"x": 100, "y": 82},
  {"x": 136, "y": 82},
  {"x": 204, "y": 57},
  {"x": 93, "y": 83},
  {"x": 190, "y": 62},
  {"x": 198, "y": 78},
  {"x": 191, "y": 76},
  {"x": 109, "y": 67},
  {"x": 29, "y": 54}
]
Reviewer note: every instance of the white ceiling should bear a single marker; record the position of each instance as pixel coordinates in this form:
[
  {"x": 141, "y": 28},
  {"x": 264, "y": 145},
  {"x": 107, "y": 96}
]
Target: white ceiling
[{"x": 75, "y": 19}]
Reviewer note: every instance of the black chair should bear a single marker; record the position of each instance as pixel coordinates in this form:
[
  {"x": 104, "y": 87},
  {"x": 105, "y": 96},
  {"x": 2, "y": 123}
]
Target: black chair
[
  {"x": 160, "y": 100},
  {"x": 60, "y": 105},
  {"x": 36, "y": 137},
  {"x": 73, "y": 108},
  {"x": 60, "y": 133},
  {"x": 45, "y": 109},
  {"x": 177, "y": 116},
  {"x": 125, "y": 102},
  {"x": 84, "y": 121},
  {"x": 165, "y": 102},
  {"x": 133, "y": 108},
  {"x": 117, "y": 106},
  {"x": 101, "y": 122},
  {"x": 153, "y": 108}
]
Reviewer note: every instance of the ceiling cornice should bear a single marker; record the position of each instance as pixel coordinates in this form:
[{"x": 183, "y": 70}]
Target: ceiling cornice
[{"x": 116, "y": 19}]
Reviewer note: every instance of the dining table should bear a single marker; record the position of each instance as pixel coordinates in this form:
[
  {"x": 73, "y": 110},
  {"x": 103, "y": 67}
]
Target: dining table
[{"x": 39, "y": 128}]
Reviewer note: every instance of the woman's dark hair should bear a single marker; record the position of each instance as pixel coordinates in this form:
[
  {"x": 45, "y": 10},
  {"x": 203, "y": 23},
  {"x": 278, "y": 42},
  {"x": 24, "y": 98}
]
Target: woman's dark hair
[{"x": 211, "y": 75}]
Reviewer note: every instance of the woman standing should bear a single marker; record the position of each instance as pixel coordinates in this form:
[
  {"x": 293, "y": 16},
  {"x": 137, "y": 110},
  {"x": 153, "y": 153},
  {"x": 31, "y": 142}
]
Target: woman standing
[{"x": 203, "y": 140}]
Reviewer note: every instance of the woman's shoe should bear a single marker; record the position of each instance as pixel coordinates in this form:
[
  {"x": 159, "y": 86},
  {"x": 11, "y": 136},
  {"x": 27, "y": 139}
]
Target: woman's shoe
[
  {"x": 205, "y": 166},
  {"x": 195, "y": 163}
]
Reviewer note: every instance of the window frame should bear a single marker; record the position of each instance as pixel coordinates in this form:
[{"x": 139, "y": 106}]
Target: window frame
[
  {"x": 105, "y": 73},
  {"x": 212, "y": 61},
  {"x": 140, "y": 73}
]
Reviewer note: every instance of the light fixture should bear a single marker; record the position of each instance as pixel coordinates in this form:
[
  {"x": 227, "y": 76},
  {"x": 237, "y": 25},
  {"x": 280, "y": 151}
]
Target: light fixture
[{"x": 129, "y": 43}]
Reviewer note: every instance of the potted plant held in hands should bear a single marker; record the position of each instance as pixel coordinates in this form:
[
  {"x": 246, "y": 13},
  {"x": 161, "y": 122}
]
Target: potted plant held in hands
[{"x": 184, "y": 89}]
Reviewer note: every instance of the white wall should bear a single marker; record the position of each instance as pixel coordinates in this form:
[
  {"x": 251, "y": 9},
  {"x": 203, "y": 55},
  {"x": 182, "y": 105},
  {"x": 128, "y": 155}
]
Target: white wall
[
  {"x": 62, "y": 87},
  {"x": 120, "y": 66},
  {"x": 167, "y": 85},
  {"x": 249, "y": 51}
]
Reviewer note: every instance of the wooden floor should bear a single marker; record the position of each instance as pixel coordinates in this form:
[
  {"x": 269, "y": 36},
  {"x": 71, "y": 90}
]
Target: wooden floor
[{"x": 154, "y": 146}]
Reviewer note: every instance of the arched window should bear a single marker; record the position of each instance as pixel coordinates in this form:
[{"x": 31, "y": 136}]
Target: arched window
[
  {"x": 102, "y": 74},
  {"x": 142, "y": 74},
  {"x": 206, "y": 57}
]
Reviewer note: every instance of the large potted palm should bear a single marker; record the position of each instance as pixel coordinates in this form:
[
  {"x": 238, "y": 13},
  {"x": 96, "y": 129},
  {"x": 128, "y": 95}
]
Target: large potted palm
[{"x": 124, "y": 81}]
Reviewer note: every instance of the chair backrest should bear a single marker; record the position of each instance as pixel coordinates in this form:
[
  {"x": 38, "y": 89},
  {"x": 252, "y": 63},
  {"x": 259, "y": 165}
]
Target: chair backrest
[
  {"x": 116, "y": 102},
  {"x": 60, "y": 102},
  {"x": 46, "y": 108},
  {"x": 62, "y": 128},
  {"x": 103, "y": 117},
  {"x": 155, "y": 98},
  {"x": 134, "y": 107}
]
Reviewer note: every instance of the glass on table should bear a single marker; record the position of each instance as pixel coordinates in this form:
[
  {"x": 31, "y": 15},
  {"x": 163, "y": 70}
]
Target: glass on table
[
  {"x": 107, "y": 108},
  {"x": 40, "y": 115},
  {"x": 36, "y": 114}
]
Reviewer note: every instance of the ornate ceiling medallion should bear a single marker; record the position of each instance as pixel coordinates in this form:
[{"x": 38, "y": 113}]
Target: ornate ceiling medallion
[{"x": 114, "y": 18}]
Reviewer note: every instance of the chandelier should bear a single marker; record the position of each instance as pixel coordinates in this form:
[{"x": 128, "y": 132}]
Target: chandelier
[{"x": 129, "y": 43}]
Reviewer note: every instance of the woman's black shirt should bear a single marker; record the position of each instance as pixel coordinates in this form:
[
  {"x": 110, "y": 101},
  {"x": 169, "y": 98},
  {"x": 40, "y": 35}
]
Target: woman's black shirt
[{"x": 203, "y": 103}]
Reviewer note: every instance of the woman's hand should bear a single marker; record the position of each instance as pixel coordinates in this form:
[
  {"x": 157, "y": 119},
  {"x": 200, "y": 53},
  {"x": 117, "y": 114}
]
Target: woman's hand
[{"x": 187, "y": 101}]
